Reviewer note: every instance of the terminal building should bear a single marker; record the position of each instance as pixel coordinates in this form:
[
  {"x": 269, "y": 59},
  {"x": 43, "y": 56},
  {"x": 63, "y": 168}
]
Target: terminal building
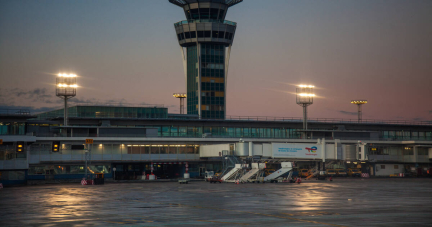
[
  {"x": 131, "y": 139},
  {"x": 130, "y": 142}
]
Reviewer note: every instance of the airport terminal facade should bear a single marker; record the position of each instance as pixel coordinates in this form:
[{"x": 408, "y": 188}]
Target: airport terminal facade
[
  {"x": 131, "y": 144},
  {"x": 136, "y": 141}
]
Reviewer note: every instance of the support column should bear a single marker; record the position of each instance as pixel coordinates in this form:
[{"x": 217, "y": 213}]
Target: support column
[
  {"x": 415, "y": 153},
  {"x": 323, "y": 148},
  {"x": 304, "y": 121},
  {"x": 65, "y": 112},
  {"x": 359, "y": 113},
  {"x": 199, "y": 79},
  {"x": 181, "y": 105},
  {"x": 227, "y": 59}
]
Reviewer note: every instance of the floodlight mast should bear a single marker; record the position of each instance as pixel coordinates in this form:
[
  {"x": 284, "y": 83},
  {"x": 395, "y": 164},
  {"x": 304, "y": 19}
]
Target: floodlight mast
[
  {"x": 359, "y": 104},
  {"x": 181, "y": 96},
  {"x": 304, "y": 98},
  {"x": 66, "y": 88}
]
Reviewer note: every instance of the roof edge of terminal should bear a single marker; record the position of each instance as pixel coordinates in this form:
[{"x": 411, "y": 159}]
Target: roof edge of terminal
[{"x": 182, "y": 3}]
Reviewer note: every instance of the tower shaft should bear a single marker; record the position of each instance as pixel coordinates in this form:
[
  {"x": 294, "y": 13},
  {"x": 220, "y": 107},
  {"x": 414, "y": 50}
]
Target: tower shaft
[{"x": 206, "y": 39}]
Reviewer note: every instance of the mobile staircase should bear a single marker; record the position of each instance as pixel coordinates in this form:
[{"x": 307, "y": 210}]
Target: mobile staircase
[
  {"x": 253, "y": 173},
  {"x": 313, "y": 172},
  {"x": 231, "y": 167},
  {"x": 286, "y": 167},
  {"x": 234, "y": 174}
]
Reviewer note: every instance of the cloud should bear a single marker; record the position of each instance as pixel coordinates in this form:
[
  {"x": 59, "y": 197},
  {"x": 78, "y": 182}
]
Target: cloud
[
  {"x": 33, "y": 110},
  {"x": 12, "y": 96},
  {"x": 35, "y": 93},
  {"x": 347, "y": 112}
]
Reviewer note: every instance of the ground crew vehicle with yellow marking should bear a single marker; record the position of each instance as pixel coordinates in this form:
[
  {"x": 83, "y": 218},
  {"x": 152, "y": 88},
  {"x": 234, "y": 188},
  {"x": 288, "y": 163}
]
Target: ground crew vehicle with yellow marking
[
  {"x": 304, "y": 173},
  {"x": 331, "y": 173},
  {"x": 341, "y": 173},
  {"x": 354, "y": 172}
]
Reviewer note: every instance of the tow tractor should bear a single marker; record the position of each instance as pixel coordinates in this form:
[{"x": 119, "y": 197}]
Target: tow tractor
[
  {"x": 215, "y": 179},
  {"x": 184, "y": 181},
  {"x": 321, "y": 175}
]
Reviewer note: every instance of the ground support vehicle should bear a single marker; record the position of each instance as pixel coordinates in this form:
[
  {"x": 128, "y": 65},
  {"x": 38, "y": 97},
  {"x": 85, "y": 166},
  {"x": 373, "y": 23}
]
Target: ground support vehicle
[
  {"x": 183, "y": 181},
  {"x": 286, "y": 167},
  {"x": 215, "y": 180},
  {"x": 341, "y": 173},
  {"x": 99, "y": 179},
  {"x": 257, "y": 180},
  {"x": 321, "y": 175},
  {"x": 304, "y": 172},
  {"x": 282, "y": 179},
  {"x": 354, "y": 173},
  {"x": 269, "y": 171},
  {"x": 331, "y": 173}
]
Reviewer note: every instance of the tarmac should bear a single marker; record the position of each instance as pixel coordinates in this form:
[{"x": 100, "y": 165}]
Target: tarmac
[{"x": 342, "y": 202}]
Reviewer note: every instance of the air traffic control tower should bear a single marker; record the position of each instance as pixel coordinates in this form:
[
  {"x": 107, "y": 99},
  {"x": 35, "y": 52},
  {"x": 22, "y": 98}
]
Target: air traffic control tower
[{"x": 205, "y": 40}]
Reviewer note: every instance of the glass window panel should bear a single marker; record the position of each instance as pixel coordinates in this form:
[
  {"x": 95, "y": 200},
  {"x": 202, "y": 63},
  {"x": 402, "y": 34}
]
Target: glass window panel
[
  {"x": 172, "y": 150},
  {"x": 163, "y": 150},
  {"x": 117, "y": 148},
  {"x": 145, "y": 150},
  {"x": 182, "y": 150},
  {"x": 182, "y": 131},
  {"x": 154, "y": 150}
]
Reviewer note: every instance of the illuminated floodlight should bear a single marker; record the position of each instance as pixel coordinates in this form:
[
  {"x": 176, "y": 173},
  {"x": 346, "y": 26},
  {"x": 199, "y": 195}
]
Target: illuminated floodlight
[
  {"x": 306, "y": 95},
  {"x": 66, "y": 86},
  {"x": 304, "y": 98},
  {"x": 306, "y": 86},
  {"x": 66, "y": 75},
  {"x": 359, "y": 104},
  {"x": 181, "y": 96}
]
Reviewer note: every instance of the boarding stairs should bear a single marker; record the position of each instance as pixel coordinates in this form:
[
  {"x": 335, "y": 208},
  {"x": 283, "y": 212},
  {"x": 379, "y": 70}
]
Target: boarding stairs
[
  {"x": 313, "y": 172},
  {"x": 328, "y": 164},
  {"x": 256, "y": 168},
  {"x": 286, "y": 167},
  {"x": 290, "y": 175},
  {"x": 233, "y": 174}
]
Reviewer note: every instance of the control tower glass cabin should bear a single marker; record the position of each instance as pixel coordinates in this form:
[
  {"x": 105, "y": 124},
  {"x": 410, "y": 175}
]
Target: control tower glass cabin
[{"x": 205, "y": 40}]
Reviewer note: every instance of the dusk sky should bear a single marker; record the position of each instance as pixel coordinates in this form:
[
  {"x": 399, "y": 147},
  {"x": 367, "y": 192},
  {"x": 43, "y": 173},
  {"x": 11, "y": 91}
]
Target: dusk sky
[{"x": 127, "y": 52}]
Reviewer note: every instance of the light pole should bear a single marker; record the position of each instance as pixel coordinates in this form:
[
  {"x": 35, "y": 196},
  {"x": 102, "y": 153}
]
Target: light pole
[
  {"x": 304, "y": 98},
  {"x": 180, "y": 96},
  {"x": 66, "y": 89},
  {"x": 359, "y": 104}
]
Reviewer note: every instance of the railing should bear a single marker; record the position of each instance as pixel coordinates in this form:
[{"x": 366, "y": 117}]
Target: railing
[
  {"x": 205, "y": 20},
  {"x": 327, "y": 120},
  {"x": 116, "y": 104},
  {"x": 15, "y": 112}
]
